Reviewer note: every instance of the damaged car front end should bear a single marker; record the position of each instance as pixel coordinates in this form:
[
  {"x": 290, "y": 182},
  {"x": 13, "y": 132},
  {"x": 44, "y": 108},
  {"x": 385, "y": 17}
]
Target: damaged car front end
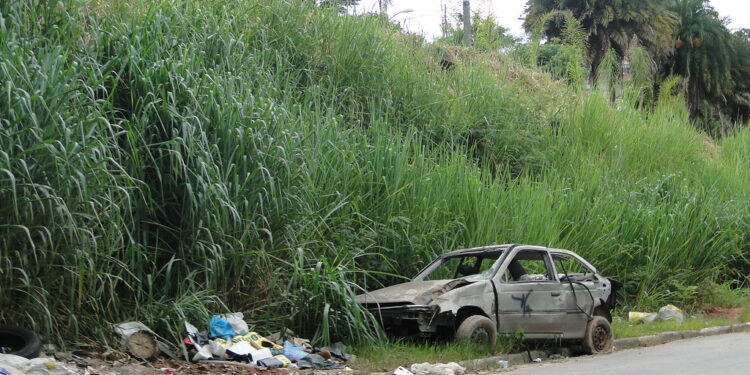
[{"x": 430, "y": 304}]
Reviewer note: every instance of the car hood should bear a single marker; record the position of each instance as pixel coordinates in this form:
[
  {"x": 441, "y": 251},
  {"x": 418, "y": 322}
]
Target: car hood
[{"x": 413, "y": 292}]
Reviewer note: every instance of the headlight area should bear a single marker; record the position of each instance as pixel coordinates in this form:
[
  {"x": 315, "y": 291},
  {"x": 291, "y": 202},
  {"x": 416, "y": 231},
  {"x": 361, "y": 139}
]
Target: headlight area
[{"x": 414, "y": 320}]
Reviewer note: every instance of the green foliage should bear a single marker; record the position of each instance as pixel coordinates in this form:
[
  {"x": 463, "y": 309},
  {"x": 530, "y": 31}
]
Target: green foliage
[
  {"x": 488, "y": 35},
  {"x": 569, "y": 55},
  {"x": 609, "y": 75},
  {"x": 639, "y": 89}
]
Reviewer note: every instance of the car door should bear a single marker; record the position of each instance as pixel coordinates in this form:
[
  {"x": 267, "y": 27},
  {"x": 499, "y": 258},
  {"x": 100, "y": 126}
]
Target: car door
[
  {"x": 529, "y": 295},
  {"x": 579, "y": 283}
]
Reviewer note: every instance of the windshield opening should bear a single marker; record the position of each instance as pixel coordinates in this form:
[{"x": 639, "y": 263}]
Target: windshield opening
[{"x": 470, "y": 267}]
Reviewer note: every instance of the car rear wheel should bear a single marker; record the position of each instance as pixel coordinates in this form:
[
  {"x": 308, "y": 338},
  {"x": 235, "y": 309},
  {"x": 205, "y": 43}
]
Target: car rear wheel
[
  {"x": 478, "y": 329},
  {"x": 598, "y": 337}
]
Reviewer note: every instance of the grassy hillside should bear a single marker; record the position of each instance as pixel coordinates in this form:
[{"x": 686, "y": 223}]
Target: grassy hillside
[{"x": 160, "y": 160}]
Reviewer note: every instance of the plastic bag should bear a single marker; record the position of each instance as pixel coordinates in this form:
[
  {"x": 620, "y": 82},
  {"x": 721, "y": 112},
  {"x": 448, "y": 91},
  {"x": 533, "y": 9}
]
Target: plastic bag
[
  {"x": 670, "y": 312},
  {"x": 216, "y": 349},
  {"x": 220, "y": 327},
  {"x": 641, "y": 317},
  {"x": 238, "y": 323},
  {"x": 294, "y": 352}
]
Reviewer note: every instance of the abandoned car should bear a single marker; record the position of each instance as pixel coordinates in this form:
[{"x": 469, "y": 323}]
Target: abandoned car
[{"x": 474, "y": 294}]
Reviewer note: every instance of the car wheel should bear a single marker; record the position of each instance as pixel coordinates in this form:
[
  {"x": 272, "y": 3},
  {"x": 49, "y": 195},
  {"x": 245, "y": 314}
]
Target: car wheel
[
  {"x": 478, "y": 329},
  {"x": 598, "y": 337},
  {"x": 19, "y": 341}
]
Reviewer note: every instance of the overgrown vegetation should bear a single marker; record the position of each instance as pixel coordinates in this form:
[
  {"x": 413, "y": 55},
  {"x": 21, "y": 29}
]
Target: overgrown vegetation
[{"x": 160, "y": 160}]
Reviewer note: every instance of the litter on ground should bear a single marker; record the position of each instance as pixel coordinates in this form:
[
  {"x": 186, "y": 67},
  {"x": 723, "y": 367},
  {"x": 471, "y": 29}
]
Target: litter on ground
[{"x": 666, "y": 313}]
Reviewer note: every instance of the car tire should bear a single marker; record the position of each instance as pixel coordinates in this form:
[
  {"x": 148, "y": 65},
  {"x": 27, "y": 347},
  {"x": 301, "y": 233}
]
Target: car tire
[
  {"x": 598, "y": 338},
  {"x": 20, "y": 341},
  {"x": 478, "y": 329}
]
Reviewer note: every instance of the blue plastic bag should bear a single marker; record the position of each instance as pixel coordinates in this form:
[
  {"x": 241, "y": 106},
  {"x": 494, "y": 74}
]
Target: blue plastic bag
[
  {"x": 294, "y": 352},
  {"x": 220, "y": 327}
]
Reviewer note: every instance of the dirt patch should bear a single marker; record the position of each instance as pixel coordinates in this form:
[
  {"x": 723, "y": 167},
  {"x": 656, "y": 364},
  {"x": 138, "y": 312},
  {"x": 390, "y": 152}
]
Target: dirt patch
[
  {"x": 227, "y": 368},
  {"x": 731, "y": 313}
]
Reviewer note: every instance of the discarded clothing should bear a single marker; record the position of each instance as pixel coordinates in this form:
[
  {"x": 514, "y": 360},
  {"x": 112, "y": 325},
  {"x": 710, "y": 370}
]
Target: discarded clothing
[{"x": 270, "y": 362}]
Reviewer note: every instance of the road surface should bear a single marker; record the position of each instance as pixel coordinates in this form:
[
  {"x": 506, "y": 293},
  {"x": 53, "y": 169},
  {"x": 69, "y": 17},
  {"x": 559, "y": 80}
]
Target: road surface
[{"x": 724, "y": 354}]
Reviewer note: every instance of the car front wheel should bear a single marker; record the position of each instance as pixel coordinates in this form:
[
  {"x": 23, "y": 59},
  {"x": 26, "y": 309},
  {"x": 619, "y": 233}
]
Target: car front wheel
[{"x": 478, "y": 329}]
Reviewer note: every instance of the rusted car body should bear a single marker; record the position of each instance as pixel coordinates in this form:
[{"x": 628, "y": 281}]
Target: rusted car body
[{"x": 545, "y": 293}]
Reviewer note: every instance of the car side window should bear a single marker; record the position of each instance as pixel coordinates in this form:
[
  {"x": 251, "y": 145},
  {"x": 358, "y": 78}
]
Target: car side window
[
  {"x": 529, "y": 266},
  {"x": 568, "y": 266}
]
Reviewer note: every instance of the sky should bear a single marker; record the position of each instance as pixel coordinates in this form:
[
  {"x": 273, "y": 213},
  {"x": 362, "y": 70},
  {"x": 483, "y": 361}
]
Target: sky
[{"x": 424, "y": 16}]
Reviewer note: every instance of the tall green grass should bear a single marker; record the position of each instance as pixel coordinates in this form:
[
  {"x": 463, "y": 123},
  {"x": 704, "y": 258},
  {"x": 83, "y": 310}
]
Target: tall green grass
[{"x": 163, "y": 160}]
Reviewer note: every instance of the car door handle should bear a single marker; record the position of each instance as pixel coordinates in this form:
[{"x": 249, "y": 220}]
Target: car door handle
[{"x": 555, "y": 294}]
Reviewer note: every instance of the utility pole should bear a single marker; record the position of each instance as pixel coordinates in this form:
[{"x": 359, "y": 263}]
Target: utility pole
[
  {"x": 467, "y": 23},
  {"x": 444, "y": 25}
]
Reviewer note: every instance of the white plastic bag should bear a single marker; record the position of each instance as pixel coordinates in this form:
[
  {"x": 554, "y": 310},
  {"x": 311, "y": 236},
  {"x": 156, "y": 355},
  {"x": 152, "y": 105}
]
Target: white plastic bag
[
  {"x": 238, "y": 323},
  {"x": 216, "y": 349}
]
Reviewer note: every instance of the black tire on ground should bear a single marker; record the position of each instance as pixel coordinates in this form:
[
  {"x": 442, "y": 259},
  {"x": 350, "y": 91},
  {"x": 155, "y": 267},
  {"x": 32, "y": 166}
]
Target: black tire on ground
[
  {"x": 598, "y": 338},
  {"x": 19, "y": 341},
  {"x": 478, "y": 329}
]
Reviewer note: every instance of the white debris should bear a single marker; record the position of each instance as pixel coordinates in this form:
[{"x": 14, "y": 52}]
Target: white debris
[
  {"x": 16, "y": 365},
  {"x": 402, "y": 371},
  {"x": 451, "y": 368}
]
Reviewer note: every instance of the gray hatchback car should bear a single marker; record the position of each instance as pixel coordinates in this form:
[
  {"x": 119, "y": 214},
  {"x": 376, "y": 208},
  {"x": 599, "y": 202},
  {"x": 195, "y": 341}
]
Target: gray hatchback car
[{"x": 475, "y": 294}]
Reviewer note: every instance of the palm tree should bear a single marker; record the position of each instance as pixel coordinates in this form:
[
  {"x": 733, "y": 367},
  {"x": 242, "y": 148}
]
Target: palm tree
[
  {"x": 610, "y": 24},
  {"x": 704, "y": 54}
]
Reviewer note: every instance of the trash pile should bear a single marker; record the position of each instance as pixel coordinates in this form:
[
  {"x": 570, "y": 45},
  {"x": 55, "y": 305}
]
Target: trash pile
[
  {"x": 666, "y": 313},
  {"x": 229, "y": 339}
]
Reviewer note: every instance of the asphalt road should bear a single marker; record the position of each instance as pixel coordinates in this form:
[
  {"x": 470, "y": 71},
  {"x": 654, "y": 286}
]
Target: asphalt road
[{"x": 724, "y": 354}]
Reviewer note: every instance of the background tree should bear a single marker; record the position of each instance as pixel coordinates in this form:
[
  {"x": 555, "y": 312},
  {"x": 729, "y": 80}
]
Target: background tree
[
  {"x": 488, "y": 34},
  {"x": 714, "y": 63},
  {"x": 610, "y": 24},
  {"x": 702, "y": 51}
]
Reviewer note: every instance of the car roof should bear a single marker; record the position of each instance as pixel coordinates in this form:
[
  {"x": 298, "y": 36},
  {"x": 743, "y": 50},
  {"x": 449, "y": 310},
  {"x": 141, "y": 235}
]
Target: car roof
[
  {"x": 495, "y": 248},
  {"x": 477, "y": 250}
]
